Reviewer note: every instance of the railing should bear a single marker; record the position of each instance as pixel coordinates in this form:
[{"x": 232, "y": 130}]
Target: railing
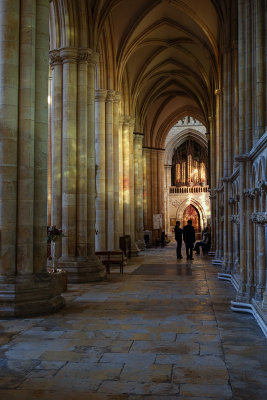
[{"x": 188, "y": 189}]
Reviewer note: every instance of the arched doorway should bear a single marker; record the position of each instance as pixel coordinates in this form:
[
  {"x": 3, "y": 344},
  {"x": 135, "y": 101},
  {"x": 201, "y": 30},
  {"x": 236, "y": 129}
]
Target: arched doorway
[{"x": 192, "y": 213}]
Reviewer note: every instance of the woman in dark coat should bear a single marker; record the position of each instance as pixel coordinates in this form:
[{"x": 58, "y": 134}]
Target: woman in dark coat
[{"x": 189, "y": 239}]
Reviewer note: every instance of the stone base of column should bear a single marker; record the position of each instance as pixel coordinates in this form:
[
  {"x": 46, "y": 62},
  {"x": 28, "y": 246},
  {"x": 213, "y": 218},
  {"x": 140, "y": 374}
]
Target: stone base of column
[
  {"x": 264, "y": 301},
  {"x": 134, "y": 249},
  {"x": 27, "y": 295},
  {"x": 227, "y": 267},
  {"x": 82, "y": 270},
  {"x": 259, "y": 290},
  {"x": 243, "y": 294},
  {"x": 140, "y": 244}
]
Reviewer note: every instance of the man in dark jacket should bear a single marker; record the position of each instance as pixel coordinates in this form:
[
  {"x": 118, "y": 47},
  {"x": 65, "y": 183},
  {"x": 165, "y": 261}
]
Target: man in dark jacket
[
  {"x": 179, "y": 238},
  {"x": 189, "y": 239}
]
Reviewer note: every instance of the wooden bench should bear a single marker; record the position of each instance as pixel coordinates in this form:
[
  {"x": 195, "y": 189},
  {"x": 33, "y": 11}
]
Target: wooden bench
[{"x": 111, "y": 259}]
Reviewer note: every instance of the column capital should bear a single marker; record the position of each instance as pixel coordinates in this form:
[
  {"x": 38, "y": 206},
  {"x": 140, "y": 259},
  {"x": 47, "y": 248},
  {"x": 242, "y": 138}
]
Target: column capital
[
  {"x": 69, "y": 55},
  {"x": 121, "y": 119},
  {"x": 126, "y": 119},
  {"x": 259, "y": 218},
  {"x": 93, "y": 58},
  {"x": 54, "y": 58},
  {"x": 117, "y": 97},
  {"x": 111, "y": 94},
  {"x": 84, "y": 55},
  {"x": 100, "y": 95},
  {"x": 132, "y": 122}
]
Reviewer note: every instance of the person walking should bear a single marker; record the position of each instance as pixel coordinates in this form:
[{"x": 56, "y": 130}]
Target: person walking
[
  {"x": 189, "y": 239},
  {"x": 179, "y": 239}
]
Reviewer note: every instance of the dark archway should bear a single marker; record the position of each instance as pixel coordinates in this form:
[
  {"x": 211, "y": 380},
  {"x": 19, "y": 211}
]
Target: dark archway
[{"x": 192, "y": 213}]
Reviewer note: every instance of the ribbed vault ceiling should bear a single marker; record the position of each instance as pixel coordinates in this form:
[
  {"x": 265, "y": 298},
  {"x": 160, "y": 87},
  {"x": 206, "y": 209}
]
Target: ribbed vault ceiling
[{"x": 163, "y": 55}]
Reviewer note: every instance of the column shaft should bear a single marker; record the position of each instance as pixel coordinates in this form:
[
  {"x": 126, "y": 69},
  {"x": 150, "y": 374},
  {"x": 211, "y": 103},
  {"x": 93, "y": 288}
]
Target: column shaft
[
  {"x": 160, "y": 170},
  {"x": 25, "y": 286},
  {"x": 82, "y": 157},
  {"x": 91, "y": 158},
  {"x": 121, "y": 178},
  {"x": 41, "y": 136},
  {"x": 100, "y": 173},
  {"x": 138, "y": 188},
  {"x": 109, "y": 174},
  {"x": 126, "y": 177},
  {"x": 56, "y": 128},
  {"x": 260, "y": 50},
  {"x": 69, "y": 161},
  {"x": 261, "y": 250},
  {"x": 116, "y": 166},
  {"x": 154, "y": 193},
  {"x": 26, "y": 141}
]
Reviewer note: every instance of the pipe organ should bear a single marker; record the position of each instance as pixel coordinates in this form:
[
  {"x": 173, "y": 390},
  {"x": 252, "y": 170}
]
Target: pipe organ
[{"x": 189, "y": 165}]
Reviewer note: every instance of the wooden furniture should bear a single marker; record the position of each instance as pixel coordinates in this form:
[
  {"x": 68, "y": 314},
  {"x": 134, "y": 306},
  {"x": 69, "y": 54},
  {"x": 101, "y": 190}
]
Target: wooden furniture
[
  {"x": 125, "y": 245},
  {"x": 110, "y": 259}
]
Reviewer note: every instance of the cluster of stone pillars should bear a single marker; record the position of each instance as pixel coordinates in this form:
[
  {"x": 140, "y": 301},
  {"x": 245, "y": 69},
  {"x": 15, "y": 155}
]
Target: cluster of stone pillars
[
  {"x": 119, "y": 185},
  {"x": 25, "y": 286},
  {"x": 239, "y": 173},
  {"x": 96, "y": 166},
  {"x": 96, "y": 171},
  {"x": 153, "y": 186}
]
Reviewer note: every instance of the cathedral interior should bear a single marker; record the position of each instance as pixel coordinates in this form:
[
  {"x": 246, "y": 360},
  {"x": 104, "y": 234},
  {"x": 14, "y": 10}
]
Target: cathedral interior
[{"x": 118, "y": 118}]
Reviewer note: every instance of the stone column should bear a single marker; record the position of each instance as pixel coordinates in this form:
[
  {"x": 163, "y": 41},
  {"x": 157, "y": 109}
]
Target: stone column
[
  {"x": 212, "y": 183},
  {"x": 230, "y": 235},
  {"x": 56, "y": 144},
  {"x": 138, "y": 188},
  {"x": 109, "y": 175},
  {"x": 250, "y": 285},
  {"x": 217, "y": 224},
  {"x": 121, "y": 177},
  {"x": 49, "y": 158},
  {"x": 78, "y": 167},
  {"x": 154, "y": 176},
  {"x": 82, "y": 154},
  {"x": 145, "y": 206},
  {"x": 100, "y": 143},
  {"x": 260, "y": 65},
  {"x": 242, "y": 295},
  {"x": 69, "y": 58},
  {"x": 96, "y": 269},
  {"x": 160, "y": 170},
  {"x": 147, "y": 189},
  {"x": 25, "y": 286},
  {"x": 168, "y": 183},
  {"x": 133, "y": 211},
  {"x": 261, "y": 250},
  {"x": 226, "y": 157},
  {"x": 126, "y": 176},
  {"x": 91, "y": 157},
  {"x": 116, "y": 166}
]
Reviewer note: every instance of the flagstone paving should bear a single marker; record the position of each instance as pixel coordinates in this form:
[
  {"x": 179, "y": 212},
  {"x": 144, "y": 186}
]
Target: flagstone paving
[{"x": 163, "y": 330}]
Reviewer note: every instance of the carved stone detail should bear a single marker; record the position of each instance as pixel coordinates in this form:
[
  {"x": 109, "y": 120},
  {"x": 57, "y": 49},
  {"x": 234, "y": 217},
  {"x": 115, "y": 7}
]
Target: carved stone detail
[
  {"x": 84, "y": 55},
  {"x": 235, "y": 219},
  {"x": 54, "y": 58},
  {"x": 259, "y": 218}
]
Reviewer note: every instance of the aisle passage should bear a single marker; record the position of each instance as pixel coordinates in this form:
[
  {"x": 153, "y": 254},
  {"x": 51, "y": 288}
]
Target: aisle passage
[{"x": 163, "y": 330}]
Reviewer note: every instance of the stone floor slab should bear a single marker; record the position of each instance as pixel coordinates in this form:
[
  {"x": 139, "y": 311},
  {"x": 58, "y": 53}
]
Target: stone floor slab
[{"x": 170, "y": 336}]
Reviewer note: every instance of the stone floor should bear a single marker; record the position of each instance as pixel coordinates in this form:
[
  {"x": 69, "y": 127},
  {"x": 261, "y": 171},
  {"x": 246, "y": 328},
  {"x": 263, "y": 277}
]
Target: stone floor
[{"x": 163, "y": 332}]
